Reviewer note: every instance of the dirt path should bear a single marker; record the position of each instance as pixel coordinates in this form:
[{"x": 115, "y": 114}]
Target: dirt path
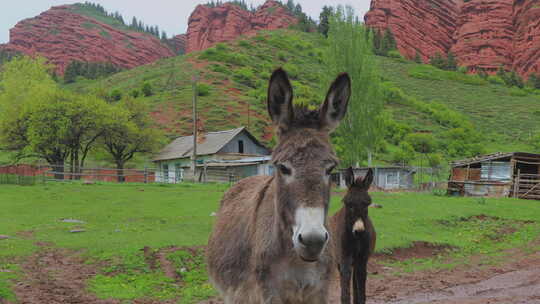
[{"x": 516, "y": 282}]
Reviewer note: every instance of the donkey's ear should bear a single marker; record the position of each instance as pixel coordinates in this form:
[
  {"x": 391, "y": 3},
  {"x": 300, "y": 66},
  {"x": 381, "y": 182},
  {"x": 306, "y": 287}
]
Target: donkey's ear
[
  {"x": 335, "y": 105},
  {"x": 280, "y": 95},
  {"x": 367, "y": 180},
  {"x": 349, "y": 177}
]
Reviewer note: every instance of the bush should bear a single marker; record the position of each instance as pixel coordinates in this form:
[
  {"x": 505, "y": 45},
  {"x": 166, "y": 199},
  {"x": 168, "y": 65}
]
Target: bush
[
  {"x": 395, "y": 54},
  {"x": 245, "y": 76},
  {"x": 147, "y": 90},
  {"x": 404, "y": 155},
  {"x": 218, "y": 68},
  {"x": 135, "y": 93},
  {"x": 203, "y": 89},
  {"x": 421, "y": 142},
  {"x": 514, "y": 91},
  {"x": 494, "y": 79},
  {"x": 432, "y": 73},
  {"x": 115, "y": 95},
  {"x": 462, "y": 70},
  {"x": 245, "y": 44}
]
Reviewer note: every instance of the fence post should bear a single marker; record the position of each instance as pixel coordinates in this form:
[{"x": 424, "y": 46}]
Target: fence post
[
  {"x": 516, "y": 184},
  {"x": 145, "y": 175}
]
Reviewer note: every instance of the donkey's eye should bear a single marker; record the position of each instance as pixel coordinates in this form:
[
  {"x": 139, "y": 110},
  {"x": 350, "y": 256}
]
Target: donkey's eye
[{"x": 284, "y": 170}]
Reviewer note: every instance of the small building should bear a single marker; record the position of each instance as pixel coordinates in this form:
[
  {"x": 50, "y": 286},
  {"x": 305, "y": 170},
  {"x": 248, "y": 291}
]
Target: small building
[
  {"x": 223, "y": 156},
  {"x": 385, "y": 178},
  {"x": 514, "y": 174}
]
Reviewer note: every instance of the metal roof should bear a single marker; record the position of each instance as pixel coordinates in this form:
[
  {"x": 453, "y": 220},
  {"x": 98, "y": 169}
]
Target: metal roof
[
  {"x": 182, "y": 147},
  {"x": 492, "y": 157}
]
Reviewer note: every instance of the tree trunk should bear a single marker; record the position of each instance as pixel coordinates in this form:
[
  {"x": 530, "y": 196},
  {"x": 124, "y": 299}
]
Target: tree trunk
[
  {"x": 120, "y": 171},
  {"x": 58, "y": 169}
]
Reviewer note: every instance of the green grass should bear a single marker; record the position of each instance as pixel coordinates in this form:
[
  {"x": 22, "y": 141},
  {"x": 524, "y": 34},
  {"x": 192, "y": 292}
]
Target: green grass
[
  {"x": 505, "y": 116},
  {"x": 121, "y": 220}
]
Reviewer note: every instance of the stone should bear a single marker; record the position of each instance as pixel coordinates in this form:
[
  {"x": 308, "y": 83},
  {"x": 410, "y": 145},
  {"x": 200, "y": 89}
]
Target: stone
[
  {"x": 208, "y": 26},
  {"x": 72, "y": 221},
  {"x": 4, "y": 237},
  {"x": 61, "y": 36},
  {"x": 77, "y": 230}
]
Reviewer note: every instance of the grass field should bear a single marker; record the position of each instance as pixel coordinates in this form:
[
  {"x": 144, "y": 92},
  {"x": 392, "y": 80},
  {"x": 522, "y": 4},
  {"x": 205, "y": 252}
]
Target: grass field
[{"x": 121, "y": 220}]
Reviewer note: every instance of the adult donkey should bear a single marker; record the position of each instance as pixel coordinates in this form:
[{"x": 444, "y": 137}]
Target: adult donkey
[{"x": 269, "y": 240}]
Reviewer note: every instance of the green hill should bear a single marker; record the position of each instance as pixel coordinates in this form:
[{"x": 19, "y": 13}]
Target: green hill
[{"x": 232, "y": 88}]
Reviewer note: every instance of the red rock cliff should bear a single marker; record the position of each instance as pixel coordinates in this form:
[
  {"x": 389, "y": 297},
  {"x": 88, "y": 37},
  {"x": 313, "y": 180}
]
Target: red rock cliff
[
  {"x": 208, "y": 26},
  {"x": 426, "y": 26},
  {"x": 481, "y": 33},
  {"x": 62, "y": 36},
  {"x": 527, "y": 36},
  {"x": 484, "y": 35}
]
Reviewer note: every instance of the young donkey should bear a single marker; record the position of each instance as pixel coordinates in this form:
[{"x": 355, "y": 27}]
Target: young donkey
[
  {"x": 353, "y": 237},
  {"x": 269, "y": 241}
]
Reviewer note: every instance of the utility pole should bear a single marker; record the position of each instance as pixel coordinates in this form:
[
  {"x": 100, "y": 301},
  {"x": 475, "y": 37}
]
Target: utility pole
[{"x": 194, "y": 155}]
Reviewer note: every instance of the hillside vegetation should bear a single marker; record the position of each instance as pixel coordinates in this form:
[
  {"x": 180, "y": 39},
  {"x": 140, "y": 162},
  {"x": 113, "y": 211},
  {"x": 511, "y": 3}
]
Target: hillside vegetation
[{"x": 464, "y": 114}]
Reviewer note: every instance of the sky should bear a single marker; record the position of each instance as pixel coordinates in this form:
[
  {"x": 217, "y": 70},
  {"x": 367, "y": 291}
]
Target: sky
[{"x": 169, "y": 15}]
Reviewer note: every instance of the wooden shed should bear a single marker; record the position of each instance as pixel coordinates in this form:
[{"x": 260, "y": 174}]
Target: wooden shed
[{"x": 515, "y": 174}]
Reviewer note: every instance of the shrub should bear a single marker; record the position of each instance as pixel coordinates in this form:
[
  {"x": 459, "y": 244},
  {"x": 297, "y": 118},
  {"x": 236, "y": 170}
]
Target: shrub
[
  {"x": 462, "y": 70},
  {"x": 396, "y": 54},
  {"x": 244, "y": 76},
  {"x": 404, "y": 155},
  {"x": 421, "y": 142},
  {"x": 135, "y": 93},
  {"x": 514, "y": 91},
  {"x": 115, "y": 95},
  {"x": 203, "y": 89},
  {"x": 494, "y": 79},
  {"x": 147, "y": 89},
  {"x": 244, "y": 44}
]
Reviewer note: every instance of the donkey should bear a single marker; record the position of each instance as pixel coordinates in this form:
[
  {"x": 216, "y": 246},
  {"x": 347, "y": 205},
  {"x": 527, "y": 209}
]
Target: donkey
[
  {"x": 353, "y": 237},
  {"x": 269, "y": 241}
]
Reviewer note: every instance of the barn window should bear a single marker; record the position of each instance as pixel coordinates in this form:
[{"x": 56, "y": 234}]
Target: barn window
[{"x": 240, "y": 146}]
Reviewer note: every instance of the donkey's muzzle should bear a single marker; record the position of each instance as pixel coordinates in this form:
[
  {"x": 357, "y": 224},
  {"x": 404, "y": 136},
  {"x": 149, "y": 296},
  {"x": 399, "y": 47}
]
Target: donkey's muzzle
[{"x": 311, "y": 245}]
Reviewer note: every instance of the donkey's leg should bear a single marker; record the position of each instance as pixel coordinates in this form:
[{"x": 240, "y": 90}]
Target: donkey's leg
[
  {"x": 345, "y": 279},
  {"x": 360, "y": 275}
]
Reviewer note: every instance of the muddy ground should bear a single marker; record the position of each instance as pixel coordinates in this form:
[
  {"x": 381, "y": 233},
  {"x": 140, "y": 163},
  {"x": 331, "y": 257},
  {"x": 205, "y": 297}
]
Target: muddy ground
[{"x": 56, "y": 276}]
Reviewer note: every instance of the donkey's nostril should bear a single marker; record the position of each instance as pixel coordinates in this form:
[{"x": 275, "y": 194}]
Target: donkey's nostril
[
  {"x": 326, "y": 236},
  {"x": 300, "y": 239}
]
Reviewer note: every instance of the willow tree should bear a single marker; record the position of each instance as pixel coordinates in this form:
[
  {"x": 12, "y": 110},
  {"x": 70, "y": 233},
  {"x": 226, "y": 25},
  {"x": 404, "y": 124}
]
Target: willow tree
[{"x": 350, "y": 50}]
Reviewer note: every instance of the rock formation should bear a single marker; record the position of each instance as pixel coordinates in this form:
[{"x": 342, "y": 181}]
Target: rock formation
[
  {"x": 208, "y": 26},
  {"x": 423, "y": 26},
  {"x": 483, "y": 34},
  {"x": 61, "y": 36}
]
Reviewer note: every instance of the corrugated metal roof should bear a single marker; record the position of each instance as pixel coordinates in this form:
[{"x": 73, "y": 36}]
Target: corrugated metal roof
[
  {"x": 182, "y": 147},
  {"x": 493, "y": 157}
]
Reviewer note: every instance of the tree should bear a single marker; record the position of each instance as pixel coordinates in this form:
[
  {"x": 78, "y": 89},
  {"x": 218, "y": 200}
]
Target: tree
[
  {"x": 41, "y": 120},
  {"x": 130, "y": 132},
  {"x": 534, "y": 81},
  {"x": 438, "y": 61},
  {"x": 377, "y": 41},
  {"x": 451, "y": 63},
  {"x": 324, "y": 20},
  {"x": 147, "y": 90},
  {"x": 349, "y": 51},
  {"x": 290, "y": 5},
  {"x": 388, "y": 43},
  {"x": 418, "y": 58},
  {"x": 23, "y": 81}
]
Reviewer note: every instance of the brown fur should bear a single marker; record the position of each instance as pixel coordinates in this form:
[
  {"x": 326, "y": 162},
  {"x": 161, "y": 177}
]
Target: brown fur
[
  {"x": 352, "y": 251},
  {"x": 251, "y": 255}
]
